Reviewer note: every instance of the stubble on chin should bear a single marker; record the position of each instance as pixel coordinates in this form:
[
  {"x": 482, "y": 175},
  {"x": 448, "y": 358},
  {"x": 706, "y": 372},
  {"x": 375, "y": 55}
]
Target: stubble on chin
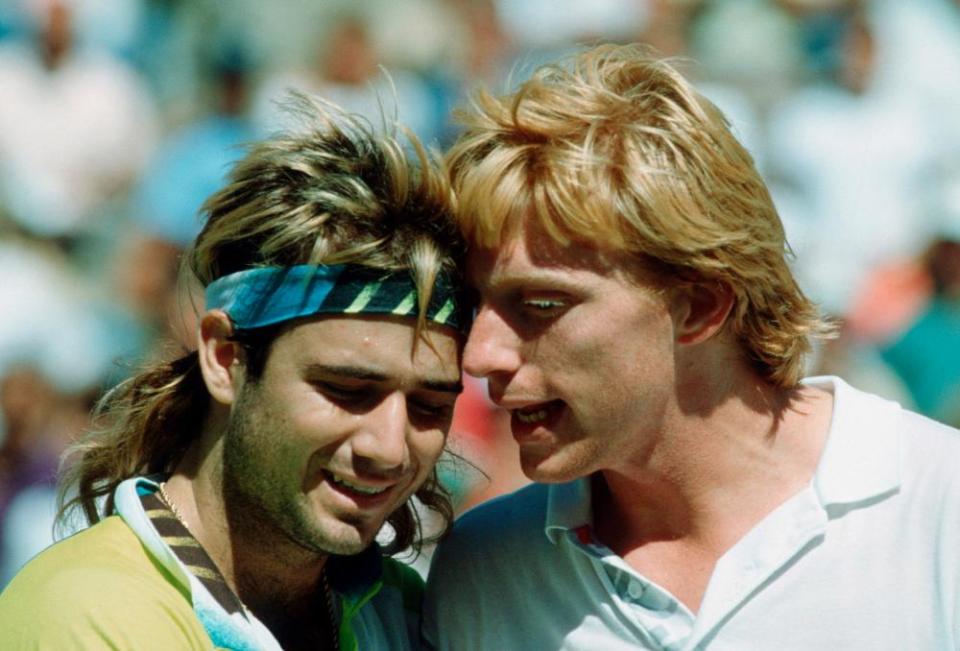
[{"x": 261, "y": 511}]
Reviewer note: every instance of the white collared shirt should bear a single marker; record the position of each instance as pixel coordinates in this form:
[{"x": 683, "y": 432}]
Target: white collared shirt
[{"x": 867, "y": 556}]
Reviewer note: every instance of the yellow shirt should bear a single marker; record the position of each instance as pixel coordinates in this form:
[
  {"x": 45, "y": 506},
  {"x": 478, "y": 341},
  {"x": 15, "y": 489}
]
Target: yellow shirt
[{"x": 98, "y": 589}]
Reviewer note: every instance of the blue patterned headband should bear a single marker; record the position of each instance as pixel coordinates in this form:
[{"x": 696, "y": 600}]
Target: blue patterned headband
[{"x": 264, "y": 296}]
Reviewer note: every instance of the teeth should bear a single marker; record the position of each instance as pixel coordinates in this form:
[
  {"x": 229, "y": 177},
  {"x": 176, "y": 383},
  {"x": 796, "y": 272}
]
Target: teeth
[
  {"x": 531, "y": 417},
  {"x": 366, "y": 490}
]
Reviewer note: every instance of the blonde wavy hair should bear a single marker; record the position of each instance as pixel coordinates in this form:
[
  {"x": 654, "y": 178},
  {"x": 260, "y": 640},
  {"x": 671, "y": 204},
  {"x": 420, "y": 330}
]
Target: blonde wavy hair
[
  {"x": 332, "y": 193},
  {"x": 616, "y": 149}
]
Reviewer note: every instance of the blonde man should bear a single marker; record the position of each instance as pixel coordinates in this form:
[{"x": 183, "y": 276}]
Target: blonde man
[
  {"x": 638, "y": 319},
  {"x": 236, "y": 497}
]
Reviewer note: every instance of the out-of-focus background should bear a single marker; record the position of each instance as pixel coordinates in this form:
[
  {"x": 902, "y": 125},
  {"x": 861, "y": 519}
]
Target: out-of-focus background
[{"x": 118, "y": 117}]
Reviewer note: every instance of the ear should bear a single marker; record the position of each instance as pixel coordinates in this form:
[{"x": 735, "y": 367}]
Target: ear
[
  {"x": 700, "y": 310},
  {"x": 219, "y": 357}
]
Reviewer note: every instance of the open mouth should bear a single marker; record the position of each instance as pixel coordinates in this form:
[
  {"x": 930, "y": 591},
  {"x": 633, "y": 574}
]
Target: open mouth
[
  {"x": 529, "y": 417},
  {"x": 354, "y": 487},
  {"x": 537, "y": 414}
]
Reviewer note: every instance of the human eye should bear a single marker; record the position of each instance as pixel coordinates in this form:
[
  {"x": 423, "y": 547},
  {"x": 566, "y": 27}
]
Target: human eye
[
  {"x": 543, "y": 306},
  {"x": 430, "y": 410},
  {"x": 345, "y": 393}
]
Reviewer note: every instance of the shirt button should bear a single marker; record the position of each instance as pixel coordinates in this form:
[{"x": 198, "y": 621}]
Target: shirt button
[{"x": 635, "y": 590}]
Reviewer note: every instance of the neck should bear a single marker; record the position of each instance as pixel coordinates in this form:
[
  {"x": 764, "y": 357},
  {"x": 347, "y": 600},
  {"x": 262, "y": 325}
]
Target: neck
[{"x": 716, "y": 471}]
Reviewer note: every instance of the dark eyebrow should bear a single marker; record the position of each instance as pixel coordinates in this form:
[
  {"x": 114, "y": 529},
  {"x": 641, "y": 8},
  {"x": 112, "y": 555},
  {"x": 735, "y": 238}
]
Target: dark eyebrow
[
  {"x": 443, "y": 386},
  {"x": 360, "y": 373},
  {"x": 353, "y": 372}
]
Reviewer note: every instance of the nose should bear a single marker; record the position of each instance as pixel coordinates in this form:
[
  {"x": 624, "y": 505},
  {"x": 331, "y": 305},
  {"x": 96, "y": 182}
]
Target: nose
[
  {"x": 380, "y": 447},
  {"x": 493, "y": 348}
]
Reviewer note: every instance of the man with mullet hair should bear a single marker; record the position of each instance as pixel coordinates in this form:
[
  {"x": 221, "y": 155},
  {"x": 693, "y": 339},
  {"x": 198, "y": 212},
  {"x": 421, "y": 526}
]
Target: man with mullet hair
[
  {"x": 236, "y": 493},
  {"x": 638, "y": 319}
]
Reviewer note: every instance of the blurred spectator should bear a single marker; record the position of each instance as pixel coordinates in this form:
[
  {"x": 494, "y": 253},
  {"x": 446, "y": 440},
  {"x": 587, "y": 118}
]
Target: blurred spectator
[
  {"x": 861, "y": 364},
  {"x": 113, "y": 25},
  {"x": 487, "y": 49},
  {"x": 38, "y": 422},
  {"x": 927, "y": 354},
  {"x": 890, "y": 298},
  {"x": 477, "y": 50},
  {"x": 172, "y": 34},
  {"x": 920, "y": 60},
  {"x": 751, "y": 43},
  {"x": 58, "y": 349},
  {"x": 667, "y": 24},
  {"x": 149, "y": 299},
  {"x": 347, "y": 71},
  {"x": 75, "y": 128},
  {"x": 58, "y": 322},
  {"x": 858, "y": 156},
  {"x": 191, "y": 163},
  {"x": 26, "y": 402},
  {"x": 189, "y": 166},
  {"x": 549, "y": 24}
]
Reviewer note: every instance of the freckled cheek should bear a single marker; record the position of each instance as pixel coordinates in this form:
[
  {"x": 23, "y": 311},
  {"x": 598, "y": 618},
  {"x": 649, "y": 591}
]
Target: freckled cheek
[{"x": 563, "y": 355}]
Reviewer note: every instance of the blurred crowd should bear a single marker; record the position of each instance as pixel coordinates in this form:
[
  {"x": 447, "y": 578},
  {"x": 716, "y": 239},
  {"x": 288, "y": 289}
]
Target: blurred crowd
[{"x": 118, "y": 117}]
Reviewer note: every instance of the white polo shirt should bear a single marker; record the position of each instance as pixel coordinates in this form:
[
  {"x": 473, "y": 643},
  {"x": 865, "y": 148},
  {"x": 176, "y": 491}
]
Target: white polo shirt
[{"x": 866, "y": 557}]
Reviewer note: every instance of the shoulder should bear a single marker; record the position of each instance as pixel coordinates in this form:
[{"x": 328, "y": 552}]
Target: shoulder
[
  {"x": 496, "y": 557},
  {"x": 503, "y": 519},
  {"x": 930, "y": 451},
  {"x": 929, "y": 432},
  {"x": 96, "y": 588},
  {"x": 925, "y": 449},
  {"x": 880, "y": 418},
  {"x": 924, "y": 452},
  {"x": 930, "y": 499},
  {"x": 405, "y": 580},
  {"x": 496, "y": 529},
  {"x": 490, "y": 541},
  {"x": 108, "y": 553}
]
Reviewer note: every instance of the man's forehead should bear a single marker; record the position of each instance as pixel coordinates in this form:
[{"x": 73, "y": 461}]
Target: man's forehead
[
  {"x": 532, "y": 248},
  {"x": 393, "y": 344}
]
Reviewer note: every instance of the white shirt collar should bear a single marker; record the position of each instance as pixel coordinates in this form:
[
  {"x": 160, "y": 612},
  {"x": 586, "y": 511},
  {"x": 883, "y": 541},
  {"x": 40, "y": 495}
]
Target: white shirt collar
[{"x": 861, "y": 459}]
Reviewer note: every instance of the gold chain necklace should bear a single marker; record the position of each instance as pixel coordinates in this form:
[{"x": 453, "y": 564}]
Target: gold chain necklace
[
  {"x": 328, "y": 596},
  {"x": 173, "y": 507}
]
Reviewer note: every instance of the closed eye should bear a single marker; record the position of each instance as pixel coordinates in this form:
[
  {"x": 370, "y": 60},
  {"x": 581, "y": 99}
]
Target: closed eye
[
  {"x": 363, "y": 397},
  {"x": 346, "y": 394},
  {"x": 435, "y": 403},
  {"x": 430, "y": 410}
]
